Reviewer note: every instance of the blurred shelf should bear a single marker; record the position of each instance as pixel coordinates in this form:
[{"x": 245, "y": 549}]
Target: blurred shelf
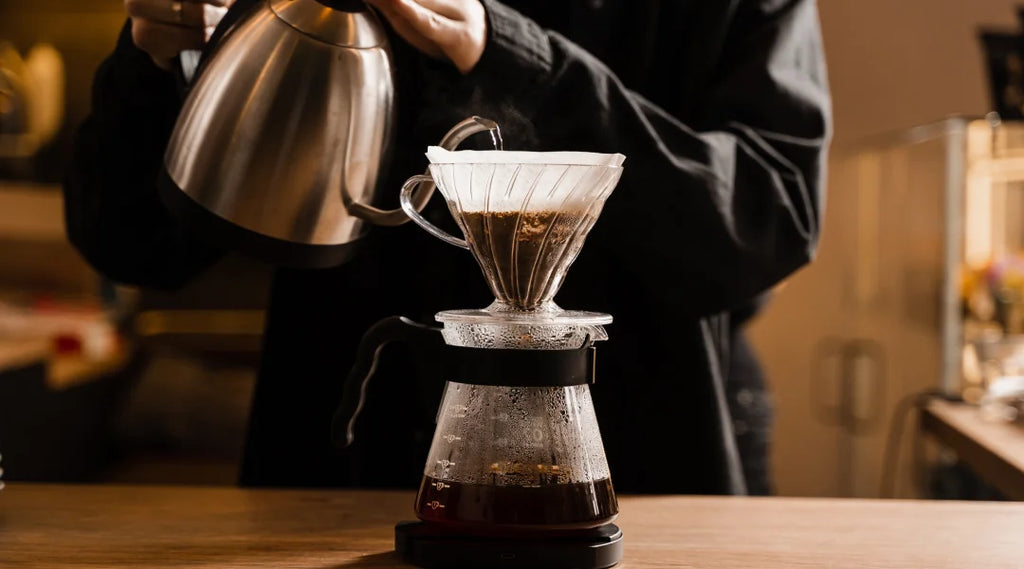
[
  {"x": 17, "y": 354},
  {"x": 68, "y": 371},
  {"x": 225, "y": 336},
  {"x": 993, "y": 450},
  {"x": 31, "y": 212},
  {"x": 62, "y": 371},
  {"x": 35, "y": 254}
]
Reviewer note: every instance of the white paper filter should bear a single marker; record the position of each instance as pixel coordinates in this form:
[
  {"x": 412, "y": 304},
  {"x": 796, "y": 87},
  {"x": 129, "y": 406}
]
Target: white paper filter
[
  {"x": 438, "y": 155},
  {"x": 498, "y": 180}
]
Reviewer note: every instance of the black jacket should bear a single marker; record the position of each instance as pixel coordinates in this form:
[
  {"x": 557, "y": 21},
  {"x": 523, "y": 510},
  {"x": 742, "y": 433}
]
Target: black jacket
[{"x": 722, "y": 109}]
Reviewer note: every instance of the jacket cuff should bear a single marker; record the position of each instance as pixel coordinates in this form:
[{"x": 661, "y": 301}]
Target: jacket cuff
[
  {"x": 518, "y": 53},
  {"x": 134, "y": 79}
]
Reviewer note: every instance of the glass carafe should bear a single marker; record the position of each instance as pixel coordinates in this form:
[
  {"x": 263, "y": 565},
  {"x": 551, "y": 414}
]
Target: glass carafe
[
  {"x": 519, "y": 448},
  {"x": 517, "y": 445}
]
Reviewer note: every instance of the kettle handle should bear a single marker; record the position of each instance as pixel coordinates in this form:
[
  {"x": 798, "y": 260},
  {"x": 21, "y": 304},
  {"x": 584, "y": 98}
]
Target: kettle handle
[
  {"x": 190, "y": 62},
  {"x": 373, "y": 341},
  {"x": 454, "y": 137}
]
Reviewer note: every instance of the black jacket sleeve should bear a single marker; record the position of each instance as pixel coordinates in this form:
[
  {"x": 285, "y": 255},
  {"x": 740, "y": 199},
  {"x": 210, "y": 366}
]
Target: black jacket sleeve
[
  {"x": 112, "y": 211},
  {"x": 723, "y": 207}
]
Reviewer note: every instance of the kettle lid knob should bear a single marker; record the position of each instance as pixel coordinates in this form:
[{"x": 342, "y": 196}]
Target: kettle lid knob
[
  {"x": 345, "y": 5},
  {"x": 344, "y": 23}
]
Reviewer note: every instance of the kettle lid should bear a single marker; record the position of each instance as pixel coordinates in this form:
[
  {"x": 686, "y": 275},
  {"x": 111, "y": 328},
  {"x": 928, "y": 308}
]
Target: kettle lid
[{"x": 344, "y": 23}]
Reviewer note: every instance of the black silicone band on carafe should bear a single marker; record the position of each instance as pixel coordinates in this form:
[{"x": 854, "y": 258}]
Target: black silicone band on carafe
[{"x": 520, "y": 368}]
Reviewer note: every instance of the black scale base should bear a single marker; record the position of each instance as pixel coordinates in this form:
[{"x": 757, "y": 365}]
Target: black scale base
[{"x": 433, "y": 547}]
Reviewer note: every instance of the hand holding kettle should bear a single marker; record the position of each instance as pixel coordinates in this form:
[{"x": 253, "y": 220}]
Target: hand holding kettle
[
  {"x": 165, "y": 28},
  {"x": 443, "y": 29}
]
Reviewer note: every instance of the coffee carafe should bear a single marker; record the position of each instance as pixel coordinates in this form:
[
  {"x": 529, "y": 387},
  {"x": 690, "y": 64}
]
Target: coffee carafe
[{"x": 516, "y": 474}]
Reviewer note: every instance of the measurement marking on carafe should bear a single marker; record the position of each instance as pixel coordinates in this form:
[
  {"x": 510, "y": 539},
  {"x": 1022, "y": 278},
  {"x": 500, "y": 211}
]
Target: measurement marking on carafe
[
  {"x": 451, "y": 438},
  {"x": 434, "y": 505},
  {"x": 445, "y": 463},
  {"x": 458, "y": 411},
  {"x": 440, "y": 485}
]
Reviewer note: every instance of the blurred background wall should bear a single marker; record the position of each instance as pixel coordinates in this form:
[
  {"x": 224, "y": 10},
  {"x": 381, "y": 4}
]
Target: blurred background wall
[
  {"x": 892, "y": 64},
  {"x": 898, "y": 63},
  {"x": 84, "y": 32}
]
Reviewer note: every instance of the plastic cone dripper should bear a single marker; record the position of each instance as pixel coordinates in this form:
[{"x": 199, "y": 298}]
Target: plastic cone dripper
[{"x": 525, "y": 215}]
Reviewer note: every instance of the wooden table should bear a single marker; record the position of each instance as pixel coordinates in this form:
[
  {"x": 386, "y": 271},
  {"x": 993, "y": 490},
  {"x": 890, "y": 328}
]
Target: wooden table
[
  {"x": 994, "y": 450},
  {"x": 56, "y": 527}
]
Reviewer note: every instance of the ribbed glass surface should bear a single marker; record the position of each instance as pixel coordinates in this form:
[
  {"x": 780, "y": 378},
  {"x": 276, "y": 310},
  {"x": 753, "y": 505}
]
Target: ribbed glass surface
[{"x": 525, "y": 223}]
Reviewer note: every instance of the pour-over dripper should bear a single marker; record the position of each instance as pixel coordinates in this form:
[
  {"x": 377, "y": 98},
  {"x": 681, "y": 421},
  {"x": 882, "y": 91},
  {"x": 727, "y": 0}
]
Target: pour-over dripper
[{"x": 525, "y": 215}]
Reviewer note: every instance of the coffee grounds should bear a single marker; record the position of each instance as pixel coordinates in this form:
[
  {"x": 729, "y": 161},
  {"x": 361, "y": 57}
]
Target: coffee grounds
[{"x": 524, "y": 255}]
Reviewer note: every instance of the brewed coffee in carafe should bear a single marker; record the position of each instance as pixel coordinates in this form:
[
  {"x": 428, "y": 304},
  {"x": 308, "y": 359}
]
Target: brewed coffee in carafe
[{"x": 517, "y": 458}]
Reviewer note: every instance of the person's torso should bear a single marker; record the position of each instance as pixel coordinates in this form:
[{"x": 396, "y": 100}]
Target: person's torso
[{"x": 654, "y": 373}]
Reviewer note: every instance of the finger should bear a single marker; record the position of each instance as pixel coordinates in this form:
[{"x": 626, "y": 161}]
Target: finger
[
  {"x": 164, "y": 41},
  {"x": 447, "y": 8},
  {"x": 429, "y": 23},
  {"x": 190, "y": 14},
  {"x": 406, "y": 29},
  {"x": 451, "y": 9}
]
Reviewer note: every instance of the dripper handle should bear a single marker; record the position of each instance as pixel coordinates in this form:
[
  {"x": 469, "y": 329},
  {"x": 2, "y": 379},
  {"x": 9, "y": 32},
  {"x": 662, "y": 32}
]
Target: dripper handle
[
  {"x": 395, "y": 217},
  {"x": 409, "y": 207},
  {"x": 379, "y": 335}
]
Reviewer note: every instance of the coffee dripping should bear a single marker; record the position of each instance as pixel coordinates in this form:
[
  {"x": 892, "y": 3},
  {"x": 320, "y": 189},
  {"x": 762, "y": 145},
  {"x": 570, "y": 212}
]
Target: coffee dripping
[{"x": 516, "y": 475}]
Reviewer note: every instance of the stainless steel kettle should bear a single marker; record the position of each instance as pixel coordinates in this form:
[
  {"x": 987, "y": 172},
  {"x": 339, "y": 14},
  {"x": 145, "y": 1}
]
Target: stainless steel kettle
[{"x": 281, "y": 140}]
